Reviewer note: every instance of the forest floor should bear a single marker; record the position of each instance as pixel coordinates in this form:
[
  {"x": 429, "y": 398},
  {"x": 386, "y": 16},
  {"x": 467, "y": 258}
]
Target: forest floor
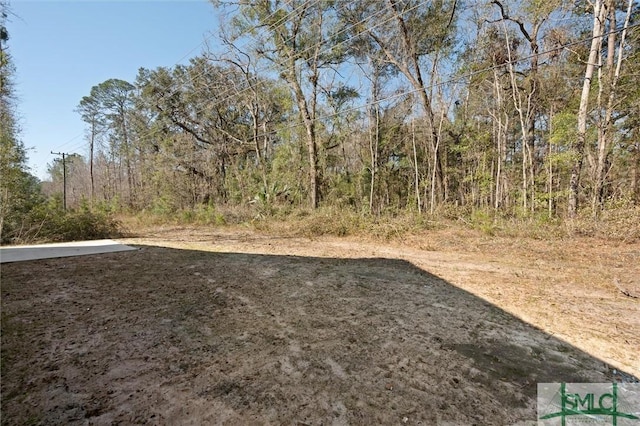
[{"x": 233, "y": 326}]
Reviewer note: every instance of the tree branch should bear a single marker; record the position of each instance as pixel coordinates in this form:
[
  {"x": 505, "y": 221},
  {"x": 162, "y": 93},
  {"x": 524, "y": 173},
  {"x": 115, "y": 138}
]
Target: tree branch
[{"x": 506, "y": 17}]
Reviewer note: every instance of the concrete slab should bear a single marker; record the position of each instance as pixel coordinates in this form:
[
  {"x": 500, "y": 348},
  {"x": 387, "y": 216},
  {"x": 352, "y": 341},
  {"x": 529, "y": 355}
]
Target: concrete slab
[{"x": 48, "y": 251}]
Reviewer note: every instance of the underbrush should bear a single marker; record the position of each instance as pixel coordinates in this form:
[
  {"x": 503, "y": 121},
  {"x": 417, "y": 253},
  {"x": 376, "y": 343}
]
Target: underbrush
[
  {"x": 618, "y": 224},
  {"x": 284, "y": 220},
  {"x": 206, "y": 215},
  {"x": 344, "y": 222},
  {"x": 621, "y": 224},
  {"x": 46, "y": 223}
]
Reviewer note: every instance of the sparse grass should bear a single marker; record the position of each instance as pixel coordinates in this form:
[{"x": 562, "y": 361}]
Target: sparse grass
[
  {"x": 618, "y": 224},
  {"x": 336, "y": 222},
  {"x": 137, "y": 223}
]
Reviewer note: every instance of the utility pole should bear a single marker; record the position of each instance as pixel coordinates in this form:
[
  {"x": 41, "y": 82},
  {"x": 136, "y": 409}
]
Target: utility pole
[{"x": 64, "y": 178}]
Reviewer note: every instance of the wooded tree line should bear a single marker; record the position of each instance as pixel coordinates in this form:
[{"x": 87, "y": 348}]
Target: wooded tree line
[
  {"x": 25, "y": 213},
  {"x": 517, "y": 106},
  {"x": 19, "y": 190}
]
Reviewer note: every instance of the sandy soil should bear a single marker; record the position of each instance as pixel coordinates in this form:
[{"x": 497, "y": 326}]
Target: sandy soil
[{"x": 209, "y": 326}]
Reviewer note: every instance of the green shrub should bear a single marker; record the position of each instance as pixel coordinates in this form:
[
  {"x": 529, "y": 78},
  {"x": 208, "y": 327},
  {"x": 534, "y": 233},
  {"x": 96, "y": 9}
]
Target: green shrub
[
  {"x": 47, "y": 222},
  {"x": 202, "y": 215}
]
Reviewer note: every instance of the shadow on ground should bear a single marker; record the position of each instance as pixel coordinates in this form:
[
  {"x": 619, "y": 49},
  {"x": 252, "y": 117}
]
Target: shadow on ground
[{"x": 163, "y": 336}]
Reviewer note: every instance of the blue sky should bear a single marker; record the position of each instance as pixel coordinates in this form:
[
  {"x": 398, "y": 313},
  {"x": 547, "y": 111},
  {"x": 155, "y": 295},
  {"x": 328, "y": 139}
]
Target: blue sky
[{"x": 63, "y": 48}]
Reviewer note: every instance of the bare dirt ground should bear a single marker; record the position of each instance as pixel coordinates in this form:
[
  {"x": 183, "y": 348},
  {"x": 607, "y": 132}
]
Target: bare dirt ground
[{"x": 211, "y": 326}]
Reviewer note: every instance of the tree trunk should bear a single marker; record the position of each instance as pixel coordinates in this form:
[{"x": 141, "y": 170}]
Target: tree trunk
[
  {"x": 91, "y": 149},
  {"x": 374, "y": 143},
  {"x": 599, "y": 15},
  {"x": 550, "y": 206},
  {"x": 410, "y": 68},
  {"x": 310, "y": 130},
  {"x": 415, "y": 166},
  {"x": 635, "y": 173},
  {"x": 605, "y": 135},
  {"x": 529, "y": 115},
  {"x": 524, "y": 128}
]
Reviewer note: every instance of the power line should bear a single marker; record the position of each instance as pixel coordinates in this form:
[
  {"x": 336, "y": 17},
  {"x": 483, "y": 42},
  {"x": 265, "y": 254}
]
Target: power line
[
  {"x": 450, "y": 80},
  {"x": 313, "y": 46},
  {"x": 307, "y": 3},
  {"x": 395, "y": 96},
  {"x": 64, "y": 177},
  {"x": 245, "y": 32},
  {"x": 455, "y": 79},
  {"x": 69, "y": 141}
]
